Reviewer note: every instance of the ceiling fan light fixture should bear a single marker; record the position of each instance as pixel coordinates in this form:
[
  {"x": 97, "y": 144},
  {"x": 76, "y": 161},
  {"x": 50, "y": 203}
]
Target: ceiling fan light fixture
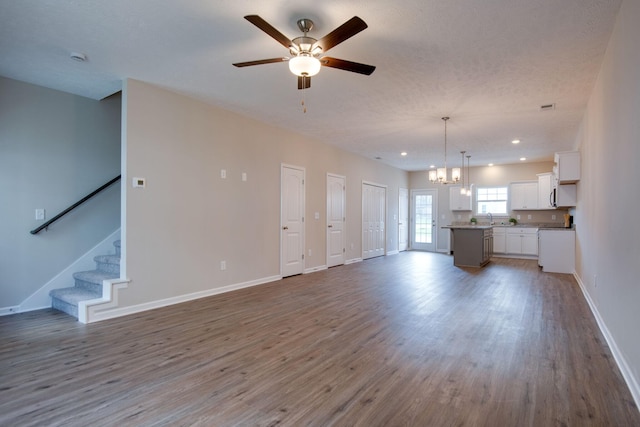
[{"x": 304, "y": 65}]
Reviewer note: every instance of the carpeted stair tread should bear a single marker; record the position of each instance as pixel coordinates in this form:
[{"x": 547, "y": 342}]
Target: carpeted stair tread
[
  {"x": 88, "y": 284},
  {"x": 107, "y": 259},
  {"x": 74, "y": 295},
  {"x": 95, "y": 276}
]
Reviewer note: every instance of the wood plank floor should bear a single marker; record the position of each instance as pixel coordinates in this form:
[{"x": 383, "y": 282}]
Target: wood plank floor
[{"x": 405, "y": 340}]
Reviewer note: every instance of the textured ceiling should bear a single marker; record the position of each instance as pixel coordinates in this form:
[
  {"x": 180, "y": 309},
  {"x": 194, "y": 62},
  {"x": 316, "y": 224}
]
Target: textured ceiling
[{"x": 488, "y": 64}]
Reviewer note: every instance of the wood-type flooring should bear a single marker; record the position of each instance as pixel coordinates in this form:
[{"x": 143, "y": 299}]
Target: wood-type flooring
[{"x": 403, "y": 340}]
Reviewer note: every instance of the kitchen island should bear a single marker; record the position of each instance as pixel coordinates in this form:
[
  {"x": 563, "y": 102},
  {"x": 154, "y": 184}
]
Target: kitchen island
[{"x": 472, "y": 244}]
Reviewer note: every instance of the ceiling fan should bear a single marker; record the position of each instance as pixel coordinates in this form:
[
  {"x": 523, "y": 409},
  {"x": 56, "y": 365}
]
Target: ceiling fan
[{"x": 306, "y": 52}]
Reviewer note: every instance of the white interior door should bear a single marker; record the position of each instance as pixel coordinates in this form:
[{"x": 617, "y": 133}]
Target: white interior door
[
  {"x": 374, "y": 202},
  {"x": 292, "y": 220},
  {"x": 424, "y": 219},
  {"x": 403, "y": 219},
  {"x": 336, "y": 190}
]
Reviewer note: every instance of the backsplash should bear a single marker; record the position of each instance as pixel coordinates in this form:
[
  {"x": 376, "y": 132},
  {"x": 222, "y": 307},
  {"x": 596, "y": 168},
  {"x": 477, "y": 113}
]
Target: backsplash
[{"x": 537, "y": 218}]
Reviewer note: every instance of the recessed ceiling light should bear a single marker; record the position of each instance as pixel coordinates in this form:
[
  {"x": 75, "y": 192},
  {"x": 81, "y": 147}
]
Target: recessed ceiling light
[
  {"x": 522, "y": 159},
  {"x": 77, "y": 56},
  {"x": 404, "y": 153},
  {"x": 490, "y": 164},
  {"x": 515, "y": 141},
  {"x": 432, "y": 166}
]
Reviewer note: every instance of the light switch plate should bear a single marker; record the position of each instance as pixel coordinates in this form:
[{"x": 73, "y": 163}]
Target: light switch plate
[
  {"x": 40, "y": 214},
  {"x": 223, "y": 173},
  {"x": 244, "y": 176}
]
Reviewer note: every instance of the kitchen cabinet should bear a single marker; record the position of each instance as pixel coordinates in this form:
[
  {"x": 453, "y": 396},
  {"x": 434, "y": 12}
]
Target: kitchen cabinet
[
  {"x": 472, "y": 245},
  {"x": 567, "y": 167},
  {"x": 557, "y": 250},
  {"x": 499, "y": 240},
  {"x": 457, "y": 201},
  {"x": 545, "y": 189},
  {"x": 524, "y": 195},
  {"x": 522, "y": 241}
]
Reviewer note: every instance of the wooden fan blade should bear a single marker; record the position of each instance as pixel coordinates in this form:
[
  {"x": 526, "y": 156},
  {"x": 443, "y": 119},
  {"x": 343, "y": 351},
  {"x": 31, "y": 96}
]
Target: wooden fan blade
[
  {"x": 261, "y": 61},
  {"x": 270, "y": 30},
  {"x": 304, "y": 82},
  {"x": 342, "y": 64},
  {"x": 349, "y": 29}
]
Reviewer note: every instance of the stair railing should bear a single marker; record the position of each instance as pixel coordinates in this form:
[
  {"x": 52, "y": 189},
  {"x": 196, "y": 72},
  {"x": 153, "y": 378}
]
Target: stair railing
[{"x": 73, "y": 206}]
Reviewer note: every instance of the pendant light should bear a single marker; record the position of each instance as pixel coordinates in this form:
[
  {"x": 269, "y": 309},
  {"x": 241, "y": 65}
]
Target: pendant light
[
  {"x": 440, "y": 175},
  {"x": 463, "y": 188},
  {"x": 468, "y": 176}
]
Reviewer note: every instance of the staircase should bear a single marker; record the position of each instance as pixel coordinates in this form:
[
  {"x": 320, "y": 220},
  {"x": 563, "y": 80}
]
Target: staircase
[{"x": 88, "y": 284}]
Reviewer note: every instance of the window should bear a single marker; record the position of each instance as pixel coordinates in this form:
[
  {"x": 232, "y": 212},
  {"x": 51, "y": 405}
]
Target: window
[{"x": 492, "y": 200}]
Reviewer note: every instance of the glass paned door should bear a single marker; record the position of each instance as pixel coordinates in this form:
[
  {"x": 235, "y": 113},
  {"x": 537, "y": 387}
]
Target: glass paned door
[{"x": 423, "y": 233}]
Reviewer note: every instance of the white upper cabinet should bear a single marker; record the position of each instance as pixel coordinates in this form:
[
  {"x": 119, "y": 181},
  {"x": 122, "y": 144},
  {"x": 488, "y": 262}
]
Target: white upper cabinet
[
  {"x": 524, "y": 195},
  {"x": 457, "y": 201},
  {"x": 545, "y": 189},
  {"x": 567, "y": 168}
]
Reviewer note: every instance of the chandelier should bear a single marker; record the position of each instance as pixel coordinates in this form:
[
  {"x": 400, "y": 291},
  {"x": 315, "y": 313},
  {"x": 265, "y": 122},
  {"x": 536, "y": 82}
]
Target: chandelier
[{"x": 440, "y": 175}]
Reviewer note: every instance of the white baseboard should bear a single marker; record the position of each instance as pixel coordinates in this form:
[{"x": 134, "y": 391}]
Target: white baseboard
[
  {"x": 314, "y": 269},
  {"x": 125, "y": 311},
  {"x": 393, "y": 252},
  {"x": 5, "y": 311},
  {"x": 626, "y": 371},
  {"x": 352, "y": 261}
]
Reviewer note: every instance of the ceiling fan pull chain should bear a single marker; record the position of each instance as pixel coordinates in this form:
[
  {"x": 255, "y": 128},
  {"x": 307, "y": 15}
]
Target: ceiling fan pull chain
[{"x": 304, "y": 107}]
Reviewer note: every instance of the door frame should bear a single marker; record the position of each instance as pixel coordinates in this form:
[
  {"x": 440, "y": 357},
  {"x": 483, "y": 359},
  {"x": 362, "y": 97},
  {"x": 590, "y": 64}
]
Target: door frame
[
  {"x": 407, "y": 224},
  {"x": 303, "y": 210},
  {"x": 344, "y": 217},
  {"x": 413, "y": 192},
  {"x": 385, "y": 188}
]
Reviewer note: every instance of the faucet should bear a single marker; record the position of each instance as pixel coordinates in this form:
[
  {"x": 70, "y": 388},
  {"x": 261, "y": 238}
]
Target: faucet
[{"x": 490, "y": 218}]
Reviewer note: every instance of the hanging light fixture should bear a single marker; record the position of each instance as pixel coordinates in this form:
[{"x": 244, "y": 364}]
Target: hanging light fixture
[
  {"x": 463, "y": 189},
  {"x": 440, "y": 174},
  {"x": 468, "y": 176}
]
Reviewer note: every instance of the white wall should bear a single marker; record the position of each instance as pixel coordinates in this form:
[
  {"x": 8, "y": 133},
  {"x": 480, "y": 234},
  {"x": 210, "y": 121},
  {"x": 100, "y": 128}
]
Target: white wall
[
  {"x": 188, "y": 219},
  {"x": 608, "y": 235},
  {"x": 55, "y": 148}
]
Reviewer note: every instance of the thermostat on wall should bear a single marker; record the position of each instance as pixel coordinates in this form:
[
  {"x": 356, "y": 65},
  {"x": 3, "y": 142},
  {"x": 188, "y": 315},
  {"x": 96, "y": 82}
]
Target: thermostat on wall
[{"x": 139, "y": 182}]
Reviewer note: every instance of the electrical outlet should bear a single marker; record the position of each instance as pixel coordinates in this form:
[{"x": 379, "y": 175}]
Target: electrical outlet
[
  {"x": 517, "y": 216},
  {"x": 553, "y": 217},
  {"x": 223, "y": 173},
  {"x": 528, "y": 216},
  {"x": 223, "y": 265},
  {"x": 309, "y": 252}
]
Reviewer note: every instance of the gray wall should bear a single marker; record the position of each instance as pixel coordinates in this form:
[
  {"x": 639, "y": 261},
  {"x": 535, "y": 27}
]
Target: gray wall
[
  {"x": 188, "y": 219},
  {"x": 54, "y": 149},
  {"x": 608, "y": 234}
]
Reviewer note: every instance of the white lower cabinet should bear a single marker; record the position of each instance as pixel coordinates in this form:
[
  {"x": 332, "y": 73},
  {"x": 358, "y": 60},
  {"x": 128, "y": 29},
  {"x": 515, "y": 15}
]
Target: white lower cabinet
[
  {"x": 517, "y": 241},
  {"x": 521, "y": 241}
]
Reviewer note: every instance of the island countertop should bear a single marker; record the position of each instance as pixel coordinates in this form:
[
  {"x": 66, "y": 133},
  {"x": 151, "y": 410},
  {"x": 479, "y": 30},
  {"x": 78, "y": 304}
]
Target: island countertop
[{"x": 468, "y": 227}]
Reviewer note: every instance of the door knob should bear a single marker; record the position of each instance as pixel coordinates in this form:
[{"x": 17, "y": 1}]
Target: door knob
[{"x": 285, "y": 228}]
